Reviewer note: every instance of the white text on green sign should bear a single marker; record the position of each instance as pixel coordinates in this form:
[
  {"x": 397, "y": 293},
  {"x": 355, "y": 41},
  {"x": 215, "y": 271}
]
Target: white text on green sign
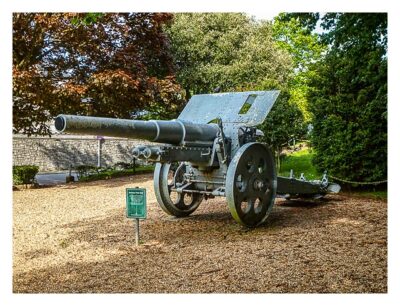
[{"x": 136, "y": 203}]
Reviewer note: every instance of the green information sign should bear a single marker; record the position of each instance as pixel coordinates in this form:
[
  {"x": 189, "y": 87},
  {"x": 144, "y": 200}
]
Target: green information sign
[{"x": 136, "y": 203}]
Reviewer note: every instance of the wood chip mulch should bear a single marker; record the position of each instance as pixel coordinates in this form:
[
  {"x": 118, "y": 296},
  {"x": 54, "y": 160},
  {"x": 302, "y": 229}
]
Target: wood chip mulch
[{"x": 77, "y": 239}]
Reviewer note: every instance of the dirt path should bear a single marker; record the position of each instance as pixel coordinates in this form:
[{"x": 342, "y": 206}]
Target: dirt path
[{"x": 76, "y": 238}]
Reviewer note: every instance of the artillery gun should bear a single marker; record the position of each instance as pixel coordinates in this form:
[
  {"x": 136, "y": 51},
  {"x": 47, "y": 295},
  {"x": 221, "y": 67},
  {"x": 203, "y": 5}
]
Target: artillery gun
[{"x": 209, "y": 151}]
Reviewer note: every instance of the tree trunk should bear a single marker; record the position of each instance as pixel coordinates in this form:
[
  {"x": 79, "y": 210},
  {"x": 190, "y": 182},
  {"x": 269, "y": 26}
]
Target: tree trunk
[
  {"x": 278, "y": 159},
  {"x": 188, "y": 95}
]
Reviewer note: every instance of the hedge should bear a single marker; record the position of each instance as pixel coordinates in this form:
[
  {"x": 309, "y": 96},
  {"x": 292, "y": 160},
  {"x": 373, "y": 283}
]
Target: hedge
[{"x": 24, "y": 174}]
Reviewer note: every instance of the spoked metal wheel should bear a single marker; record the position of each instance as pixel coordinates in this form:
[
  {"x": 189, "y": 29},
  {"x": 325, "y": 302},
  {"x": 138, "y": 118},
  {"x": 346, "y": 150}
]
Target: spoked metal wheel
[
  {"x": 251, "y": 184},
  {"x": 177, "y": 204}
]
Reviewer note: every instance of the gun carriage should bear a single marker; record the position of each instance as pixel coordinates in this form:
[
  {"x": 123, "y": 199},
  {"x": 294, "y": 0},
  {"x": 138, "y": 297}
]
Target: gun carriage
[{"x": 210, "y": 150}]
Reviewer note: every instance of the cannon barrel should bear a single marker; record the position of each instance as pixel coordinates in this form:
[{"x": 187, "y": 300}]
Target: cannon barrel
[{"x": 176, "y": 132}]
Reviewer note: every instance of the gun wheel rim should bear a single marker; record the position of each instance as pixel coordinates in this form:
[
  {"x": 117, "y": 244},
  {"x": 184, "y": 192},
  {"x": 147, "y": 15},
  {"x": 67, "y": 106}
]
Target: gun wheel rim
[
  {"x": 177, "y": 204},
  {"x": 251, "y": 184}
]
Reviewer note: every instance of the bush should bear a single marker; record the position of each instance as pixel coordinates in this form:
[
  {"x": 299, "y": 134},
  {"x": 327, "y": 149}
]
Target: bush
[
  {"x": 108, "y": 174},
  {"x": 85, "y": 170},
  {"x": 24, "y": 174},
  {"x": 122, "y": 166}
]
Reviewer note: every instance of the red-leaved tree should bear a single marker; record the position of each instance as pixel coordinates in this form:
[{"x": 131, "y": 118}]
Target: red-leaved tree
[{"x": 105, "y": 65}]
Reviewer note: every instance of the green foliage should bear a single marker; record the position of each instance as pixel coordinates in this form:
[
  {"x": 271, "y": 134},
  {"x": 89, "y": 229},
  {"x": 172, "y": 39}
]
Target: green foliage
[
  {"x": 24, "y": 174},
  {"x": 228, "y": 51},
  {"x": 301, "y": 44},
  {"x": 352, "y": 32},
  {"x": 300, "y": 162},
  {"x": 283, "y": 123},
  {"x": 86, "y": 19},
  {"x": 376, "y": 195},
  {"x": 293, "y": 35},
  {"x": 232, "y": 52},
  {"x": 122, "y": 166},
  {"x": 307, "y": 21},
  {"x": 348, "y": 99},
  {"x": 86, "y": 170},
  {"x": 112, "y": 173}
]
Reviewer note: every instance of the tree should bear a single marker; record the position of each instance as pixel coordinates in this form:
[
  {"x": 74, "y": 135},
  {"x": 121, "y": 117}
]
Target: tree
[
  {"x": 232, "y": 52},
  {"x": 226, "y": 51},
  {"x": 34, "y": 95},
  {"x": 294, "y": 34},
  {"x": 307, "y": 21},
  {"x": 284, "y": 123},
  {"x": 348, "y": 100},
  {"x": 101, "y": 64}
]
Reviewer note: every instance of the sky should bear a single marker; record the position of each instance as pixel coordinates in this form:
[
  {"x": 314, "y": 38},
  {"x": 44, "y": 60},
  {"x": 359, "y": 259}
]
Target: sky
[{"x": 263, "y": 15}]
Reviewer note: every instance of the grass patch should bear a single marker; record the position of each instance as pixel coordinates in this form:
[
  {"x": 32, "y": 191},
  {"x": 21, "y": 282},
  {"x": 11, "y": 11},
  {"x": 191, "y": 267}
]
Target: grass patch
[
  {"x": 300, "y": 162},
  {"x": 109, "y": 174},
  {"x": 376, "y": 195}
]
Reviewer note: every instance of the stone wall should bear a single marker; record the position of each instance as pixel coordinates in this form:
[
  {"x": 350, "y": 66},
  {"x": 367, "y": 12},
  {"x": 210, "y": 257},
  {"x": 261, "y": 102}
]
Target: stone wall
[{"x": 60, "y": 151}]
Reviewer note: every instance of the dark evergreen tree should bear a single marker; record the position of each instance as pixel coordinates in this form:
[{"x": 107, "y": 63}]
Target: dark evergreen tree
[{"x": 348, "y": 100}]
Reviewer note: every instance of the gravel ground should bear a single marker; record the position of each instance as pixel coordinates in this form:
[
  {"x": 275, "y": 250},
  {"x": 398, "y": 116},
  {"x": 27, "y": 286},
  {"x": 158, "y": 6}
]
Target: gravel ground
[{"x": 76, "y": 238}]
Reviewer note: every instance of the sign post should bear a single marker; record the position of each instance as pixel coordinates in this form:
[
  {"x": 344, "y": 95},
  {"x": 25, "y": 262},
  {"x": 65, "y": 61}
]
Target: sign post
[
  {"x": 136, "y": 207},
  {"x": 100, "y": 140}
]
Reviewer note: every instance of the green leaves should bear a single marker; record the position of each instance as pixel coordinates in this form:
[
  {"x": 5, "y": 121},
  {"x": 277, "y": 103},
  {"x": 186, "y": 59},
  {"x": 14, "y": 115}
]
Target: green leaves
[
  {"x": 348, "y": 98},
  {"x": 284, "y": 123},
  {"x": 234, "y": 53},
  {"x": 225, "y": 50},
  {"x": 24, "y": 174},
  {"x": 292, "y": 33},
  {"x": 86, "y": 19}
]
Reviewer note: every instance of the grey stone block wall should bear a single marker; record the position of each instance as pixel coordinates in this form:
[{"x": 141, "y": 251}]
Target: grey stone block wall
[{"x": 58, "y": 152}]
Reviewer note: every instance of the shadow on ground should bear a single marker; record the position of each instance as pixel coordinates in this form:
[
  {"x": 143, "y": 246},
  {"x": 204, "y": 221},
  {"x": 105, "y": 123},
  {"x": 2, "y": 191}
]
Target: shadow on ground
[
  {"x": 136, "y": 179},
  {"x": 336, "y": 244},
  {"x": 308, "y": 203},
  {"x": 297, "y": 250}
]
